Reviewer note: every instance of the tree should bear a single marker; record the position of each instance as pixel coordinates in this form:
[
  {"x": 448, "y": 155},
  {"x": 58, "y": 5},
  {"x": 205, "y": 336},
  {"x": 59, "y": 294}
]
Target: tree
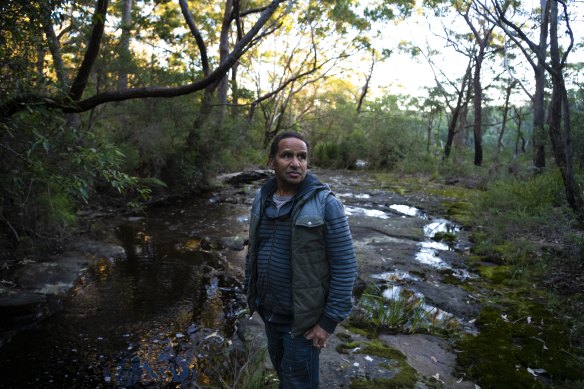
[
  {"x": 506, "y": 109},
  {"x": 73, "y": 102},
  {"x": 124, "y": 46},
  {"x": 559, "y": 112},
  {"x": 483, "y": 34},
  {"x": 496, "y": 12}
]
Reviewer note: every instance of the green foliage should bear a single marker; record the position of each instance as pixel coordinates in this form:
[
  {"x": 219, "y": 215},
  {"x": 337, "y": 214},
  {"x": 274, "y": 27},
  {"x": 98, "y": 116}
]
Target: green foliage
[
  {"x": 51, "y": 169},
  {"x": 382, "y": 136},
  {"x": 404, "y": 312}
]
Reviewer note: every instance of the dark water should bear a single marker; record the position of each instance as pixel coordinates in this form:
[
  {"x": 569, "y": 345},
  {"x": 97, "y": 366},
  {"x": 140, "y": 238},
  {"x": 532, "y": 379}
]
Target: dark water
[{"x": 156, "y": 318}]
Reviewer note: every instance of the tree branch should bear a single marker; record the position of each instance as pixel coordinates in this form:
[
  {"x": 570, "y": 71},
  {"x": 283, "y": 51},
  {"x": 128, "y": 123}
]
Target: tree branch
[
  {"x": 197, "y": 34},
  {"x": 69, "y": 105}
]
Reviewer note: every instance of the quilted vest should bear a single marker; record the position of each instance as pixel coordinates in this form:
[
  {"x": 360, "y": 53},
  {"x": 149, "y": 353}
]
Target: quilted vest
[{"x": 310, "y": 268}]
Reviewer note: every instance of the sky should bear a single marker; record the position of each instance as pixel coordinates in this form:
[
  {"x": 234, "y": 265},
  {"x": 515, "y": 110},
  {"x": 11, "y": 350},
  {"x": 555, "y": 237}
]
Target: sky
[{"x": 401, "y": 74}]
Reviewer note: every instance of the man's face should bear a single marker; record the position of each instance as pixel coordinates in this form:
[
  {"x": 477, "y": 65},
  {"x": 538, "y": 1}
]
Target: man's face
[{"x": 290, "y": 164}]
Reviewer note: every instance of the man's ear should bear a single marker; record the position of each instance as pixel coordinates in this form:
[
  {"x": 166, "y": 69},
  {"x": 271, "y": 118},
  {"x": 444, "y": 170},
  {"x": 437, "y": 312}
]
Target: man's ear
[{"x": 271, "y": 163}]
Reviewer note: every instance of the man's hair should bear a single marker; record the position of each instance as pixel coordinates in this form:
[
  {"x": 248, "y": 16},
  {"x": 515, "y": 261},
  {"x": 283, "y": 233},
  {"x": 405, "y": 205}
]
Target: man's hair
[{"x": 284, "y": 135}]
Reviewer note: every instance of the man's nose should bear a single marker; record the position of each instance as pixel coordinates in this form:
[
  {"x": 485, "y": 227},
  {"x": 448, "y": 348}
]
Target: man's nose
[{"x": 295, "y": 161}]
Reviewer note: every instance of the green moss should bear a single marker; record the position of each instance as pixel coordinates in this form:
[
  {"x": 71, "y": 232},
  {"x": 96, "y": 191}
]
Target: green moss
[
  {"x": 446, "y": 237},
  {"x": 459, "y": 211},
  {"x": 344, "y": 337},
  {"x": 367, "y": 332},
  {"x": 420, "y": 274},
  {"x": 405, "y": 377},
  {"x": 509, "y": 344},
  {"x": 344, "y": 348},
  {"x": 496, "y": 274}
]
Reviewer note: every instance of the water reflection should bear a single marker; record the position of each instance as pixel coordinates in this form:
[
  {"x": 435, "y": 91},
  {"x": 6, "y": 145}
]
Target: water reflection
[{"x": 148, "y": 319}]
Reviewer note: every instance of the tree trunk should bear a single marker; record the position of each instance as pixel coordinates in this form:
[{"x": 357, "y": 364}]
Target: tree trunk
[
  {"x": 520, "y": 137},
  {"x": 559, "y": 114},
  {"x": 367, "y": 80},
  {"x": 124, "y": 47},
  {"x": 54, "y": 46},
  {"x": 508, "y": 91},
  {"x": 456, "y": 111},
  {"x": 223, "y": 85},
  {"x": 538, "y": 97},
  {"x": 477, "y": 102}
]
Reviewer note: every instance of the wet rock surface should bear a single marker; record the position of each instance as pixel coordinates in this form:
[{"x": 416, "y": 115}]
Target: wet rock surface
[
  {"x": 390, "y": 237},
  {"x": 387, "y": 242}
]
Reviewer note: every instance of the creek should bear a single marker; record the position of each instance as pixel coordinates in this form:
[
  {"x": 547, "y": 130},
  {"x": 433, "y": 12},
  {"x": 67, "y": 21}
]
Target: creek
[{"x": 160, "y": 315}]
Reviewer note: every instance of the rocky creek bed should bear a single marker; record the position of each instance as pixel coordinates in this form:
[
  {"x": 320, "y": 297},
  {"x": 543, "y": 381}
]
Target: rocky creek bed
[{"x": 152, "y": 301}]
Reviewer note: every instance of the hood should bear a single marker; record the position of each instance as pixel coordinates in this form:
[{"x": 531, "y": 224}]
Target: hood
[{"x": 309, "y": 185}]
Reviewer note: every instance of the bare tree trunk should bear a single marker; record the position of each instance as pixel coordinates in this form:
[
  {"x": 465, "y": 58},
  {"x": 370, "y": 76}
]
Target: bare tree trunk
[
  {"x": 452, "y": 125},
  {"x": 483, "y": 37},
  {"x": 93, "y": 46},
  {"x": 223, "y": 85},
  {"x": 538, "y": 97},
  {"x": 560, "y": 114},
  {"x": 54, "y": 46},
  {"x": 429, "y": 132},
  {"x": 124, "y": 47},
  {"x": 461, "y": 132},
  {"x": 508, "y": 91},
  {"x": 520, "y": 137},
  {"x": 367, "y": 80},
  {"x": 477, "y": 102},
  {"x": 234, "y": 90}
]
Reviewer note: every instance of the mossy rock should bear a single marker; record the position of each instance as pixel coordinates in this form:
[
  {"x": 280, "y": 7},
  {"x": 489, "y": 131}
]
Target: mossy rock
[
  {"x": 405, "y": 377},
  {"x": 446, "y": 237},
  {"x": 508, "y": 344}
]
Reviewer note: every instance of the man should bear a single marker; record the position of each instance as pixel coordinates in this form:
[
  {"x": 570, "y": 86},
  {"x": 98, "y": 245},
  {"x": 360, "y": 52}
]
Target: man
[{"x": 300, "y": 266}]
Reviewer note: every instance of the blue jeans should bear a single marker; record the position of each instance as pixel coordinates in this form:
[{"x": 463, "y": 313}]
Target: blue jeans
[{"x": 295, "y": 359}]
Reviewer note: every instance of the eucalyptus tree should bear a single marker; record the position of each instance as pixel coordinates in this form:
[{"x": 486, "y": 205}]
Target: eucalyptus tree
[
  {"x": 559, "y": 114},
  {"x": 559, "y": 125},
  {"x": 124, "y": 53},
  {"x": 530, "y": 34},
  {"x": 482, "y": 32},
  {"x": 74, "y": 100}
]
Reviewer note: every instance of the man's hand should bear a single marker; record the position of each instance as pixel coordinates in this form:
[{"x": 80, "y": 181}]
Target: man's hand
[{"x": 318, "y": 336}]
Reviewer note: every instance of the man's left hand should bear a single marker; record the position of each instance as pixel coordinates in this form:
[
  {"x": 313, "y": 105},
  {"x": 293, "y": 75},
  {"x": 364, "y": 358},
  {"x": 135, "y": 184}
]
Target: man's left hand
[{"x": 318, "y": 336}]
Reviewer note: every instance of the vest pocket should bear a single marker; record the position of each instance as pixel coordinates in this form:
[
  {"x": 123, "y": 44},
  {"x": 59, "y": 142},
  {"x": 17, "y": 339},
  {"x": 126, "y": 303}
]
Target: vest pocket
[{"x": 309, "y": 221}]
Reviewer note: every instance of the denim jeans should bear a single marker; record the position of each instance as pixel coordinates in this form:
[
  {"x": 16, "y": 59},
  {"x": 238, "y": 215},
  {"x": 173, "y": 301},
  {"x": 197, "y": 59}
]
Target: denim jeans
[{"x": 295, "y": 359}]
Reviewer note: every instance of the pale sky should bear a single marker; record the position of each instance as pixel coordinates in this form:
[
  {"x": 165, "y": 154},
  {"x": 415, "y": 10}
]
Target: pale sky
[{"x": 403, "y": 74}]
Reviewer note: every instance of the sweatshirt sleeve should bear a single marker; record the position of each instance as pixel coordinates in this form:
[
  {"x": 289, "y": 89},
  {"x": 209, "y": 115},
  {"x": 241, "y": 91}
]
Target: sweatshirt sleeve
[{"x": 342, "y": 265}]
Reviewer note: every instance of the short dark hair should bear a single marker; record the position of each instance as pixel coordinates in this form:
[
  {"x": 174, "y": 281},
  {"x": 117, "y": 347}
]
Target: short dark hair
[{"x": 285, "y": 135}]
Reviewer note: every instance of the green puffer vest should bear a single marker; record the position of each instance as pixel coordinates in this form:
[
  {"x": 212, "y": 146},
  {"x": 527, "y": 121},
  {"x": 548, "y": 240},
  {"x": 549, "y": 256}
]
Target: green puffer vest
[{"x": 310, "y": 268}]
